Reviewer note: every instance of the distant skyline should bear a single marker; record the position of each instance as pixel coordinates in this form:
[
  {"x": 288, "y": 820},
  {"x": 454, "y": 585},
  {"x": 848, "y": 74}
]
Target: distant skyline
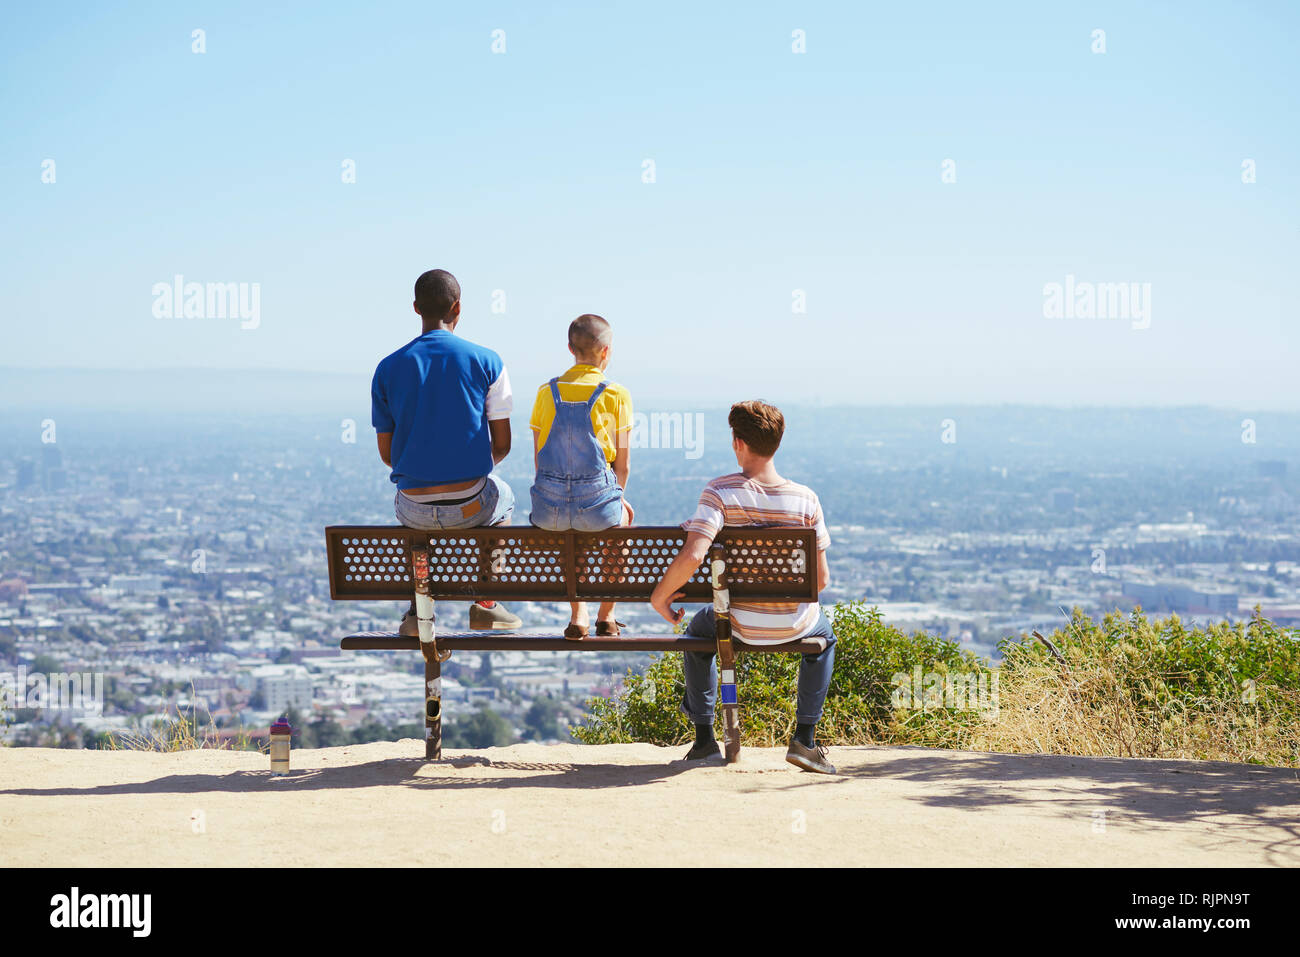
[
  {"x": 203, "y": 390},
  {"x": 781, "y": 180}
]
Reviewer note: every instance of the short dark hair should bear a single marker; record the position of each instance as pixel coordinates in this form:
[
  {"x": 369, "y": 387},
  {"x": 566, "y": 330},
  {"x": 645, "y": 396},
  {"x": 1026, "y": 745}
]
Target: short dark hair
[
  {"x": 436, "y": 291},
  {"x": 588, "y": 334},
  {"x": 758, "y": 425}
]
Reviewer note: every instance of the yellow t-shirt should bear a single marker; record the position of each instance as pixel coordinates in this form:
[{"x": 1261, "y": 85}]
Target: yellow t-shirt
[{"x": 611, "y": 414}]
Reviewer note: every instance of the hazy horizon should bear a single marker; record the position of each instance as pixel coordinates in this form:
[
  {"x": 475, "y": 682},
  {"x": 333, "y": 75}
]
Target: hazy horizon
[{"x": 207, "y": 388}]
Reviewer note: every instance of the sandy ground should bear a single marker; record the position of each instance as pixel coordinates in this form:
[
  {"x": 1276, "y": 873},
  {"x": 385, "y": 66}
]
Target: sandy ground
[{"x": 381, "y": 804}]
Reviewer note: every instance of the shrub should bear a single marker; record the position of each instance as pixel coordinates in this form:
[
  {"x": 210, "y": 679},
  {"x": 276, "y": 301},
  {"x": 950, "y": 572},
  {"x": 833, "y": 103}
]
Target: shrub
[
  {"x": 859, "y": 704},
  {"x": 1134, "y": 687},
  {"x": 1127, "y": 686}
]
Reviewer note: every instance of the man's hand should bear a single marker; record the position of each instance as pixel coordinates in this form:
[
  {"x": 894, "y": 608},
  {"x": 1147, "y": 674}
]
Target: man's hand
[
  {"x": 679, "y": 572},
  {"x": 662, "y": 602}
]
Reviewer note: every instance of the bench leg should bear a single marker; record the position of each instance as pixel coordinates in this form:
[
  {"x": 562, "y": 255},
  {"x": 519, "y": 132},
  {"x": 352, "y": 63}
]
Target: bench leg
[
  {"x": 432, "y": 709},
  {"x": 727, "y": 690},
  {"x": 432, "y": 659},
  {"x": 726, "y": 655}
]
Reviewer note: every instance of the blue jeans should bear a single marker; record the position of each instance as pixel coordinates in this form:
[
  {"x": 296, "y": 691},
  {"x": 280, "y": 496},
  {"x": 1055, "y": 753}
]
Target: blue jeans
[
  {"x": 701, "y": 676},
  {"x": 587, "y": 504},
  {"x": 495, "y": 502}
]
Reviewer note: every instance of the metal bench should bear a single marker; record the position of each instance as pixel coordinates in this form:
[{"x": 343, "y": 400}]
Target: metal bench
[{"x": 523, "y": 563}]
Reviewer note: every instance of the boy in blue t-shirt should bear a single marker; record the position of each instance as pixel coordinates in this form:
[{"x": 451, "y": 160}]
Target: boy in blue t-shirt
[{"x": 441, "y": 407}]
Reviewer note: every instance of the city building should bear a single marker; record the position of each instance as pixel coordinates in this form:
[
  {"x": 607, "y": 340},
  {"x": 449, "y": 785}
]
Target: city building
[
  {"x": 284, "y": 686},
  {"x": 1173, "y": 596}
]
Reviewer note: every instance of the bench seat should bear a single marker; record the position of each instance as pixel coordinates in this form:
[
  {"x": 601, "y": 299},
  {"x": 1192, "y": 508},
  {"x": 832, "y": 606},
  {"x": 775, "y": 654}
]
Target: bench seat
[{"x": 521, "y": 641}]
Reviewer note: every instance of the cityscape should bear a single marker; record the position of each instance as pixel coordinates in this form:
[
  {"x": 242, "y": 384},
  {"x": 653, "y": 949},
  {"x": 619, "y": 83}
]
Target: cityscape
[{"x": 181, "y": 556}]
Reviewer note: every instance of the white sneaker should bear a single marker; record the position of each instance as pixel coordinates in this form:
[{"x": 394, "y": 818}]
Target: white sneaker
[{"x": 495, "y": 618}]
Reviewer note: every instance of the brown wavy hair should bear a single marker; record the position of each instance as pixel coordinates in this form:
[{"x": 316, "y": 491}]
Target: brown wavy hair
[{"x": 758, "y": 425}]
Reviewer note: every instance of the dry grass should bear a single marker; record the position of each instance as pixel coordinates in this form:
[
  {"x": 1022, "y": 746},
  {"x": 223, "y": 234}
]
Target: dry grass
[
  {"x": 1107, "y": 703},
  {"x": 179, "y": 731}
]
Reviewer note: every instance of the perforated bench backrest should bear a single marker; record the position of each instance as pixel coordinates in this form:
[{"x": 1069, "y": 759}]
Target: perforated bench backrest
[{"x": 525, "y": 563}]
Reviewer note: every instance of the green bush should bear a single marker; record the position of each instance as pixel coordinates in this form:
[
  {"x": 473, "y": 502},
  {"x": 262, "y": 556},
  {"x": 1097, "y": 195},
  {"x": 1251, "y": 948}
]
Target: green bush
[
  {"x": 859, "y": 704},
  {"x": 1127, "y": 686},
  {"x": 482, "y": 728}
]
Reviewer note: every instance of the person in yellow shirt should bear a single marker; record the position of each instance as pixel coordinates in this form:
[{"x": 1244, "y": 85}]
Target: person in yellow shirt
[{"x": 581, "y": 423}]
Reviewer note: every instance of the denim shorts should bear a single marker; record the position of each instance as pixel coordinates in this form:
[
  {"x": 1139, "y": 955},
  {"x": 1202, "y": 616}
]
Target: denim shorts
[
  {"x": 580, "y": 504},
  {"x": 491, "y": 506}
]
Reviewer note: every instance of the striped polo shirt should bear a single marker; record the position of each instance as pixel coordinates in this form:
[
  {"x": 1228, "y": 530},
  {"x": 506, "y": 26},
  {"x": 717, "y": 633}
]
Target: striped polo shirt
[{"x": 736, "y": 501}]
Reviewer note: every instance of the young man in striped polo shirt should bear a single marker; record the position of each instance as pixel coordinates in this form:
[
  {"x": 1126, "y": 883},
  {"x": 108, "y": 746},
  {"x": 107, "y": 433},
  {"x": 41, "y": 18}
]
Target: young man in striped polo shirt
[{"x": 754, "y": 496}]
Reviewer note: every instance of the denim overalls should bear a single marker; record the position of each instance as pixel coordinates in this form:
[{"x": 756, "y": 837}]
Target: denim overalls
[{"x": 575, "y": 488}]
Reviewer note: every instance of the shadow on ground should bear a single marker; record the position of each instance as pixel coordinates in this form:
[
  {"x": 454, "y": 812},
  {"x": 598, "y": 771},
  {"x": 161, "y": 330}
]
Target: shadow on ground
[
  {"x": 388, "y": 772},
  {"x": 1146, "y": 792},
  {"x": 1141, "y": 791}
]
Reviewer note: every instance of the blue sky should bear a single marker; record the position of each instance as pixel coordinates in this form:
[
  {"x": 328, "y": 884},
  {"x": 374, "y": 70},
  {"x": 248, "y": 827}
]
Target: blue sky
[{"x": 775, "y": 171}]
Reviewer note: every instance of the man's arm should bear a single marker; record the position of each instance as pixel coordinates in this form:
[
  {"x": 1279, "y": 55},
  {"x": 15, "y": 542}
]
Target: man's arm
[
  {"x": 497, "y": 406},
  {"x": 823, "y": 571},
  {"x": 622, "y": 460},
  {"x": 381, "y": 417},
  {"x": 622, "y": 468},
  {"x": 677, "y": 575},
  {"x": 500, "y": 429}
]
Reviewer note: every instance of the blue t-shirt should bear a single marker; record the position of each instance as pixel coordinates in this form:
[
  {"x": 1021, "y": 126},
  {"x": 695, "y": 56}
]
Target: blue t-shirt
[{"x": 436, "y": 395}]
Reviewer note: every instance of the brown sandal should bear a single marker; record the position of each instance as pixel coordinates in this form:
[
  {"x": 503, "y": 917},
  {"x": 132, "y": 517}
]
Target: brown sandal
[
  {"x": 609, "y": 629},
  {"x": 575, "y": 632}
]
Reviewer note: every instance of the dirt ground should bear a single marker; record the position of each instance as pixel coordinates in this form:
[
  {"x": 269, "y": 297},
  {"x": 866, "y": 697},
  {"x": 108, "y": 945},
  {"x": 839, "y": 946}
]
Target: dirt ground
[{"x": 382, "y": 804}]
